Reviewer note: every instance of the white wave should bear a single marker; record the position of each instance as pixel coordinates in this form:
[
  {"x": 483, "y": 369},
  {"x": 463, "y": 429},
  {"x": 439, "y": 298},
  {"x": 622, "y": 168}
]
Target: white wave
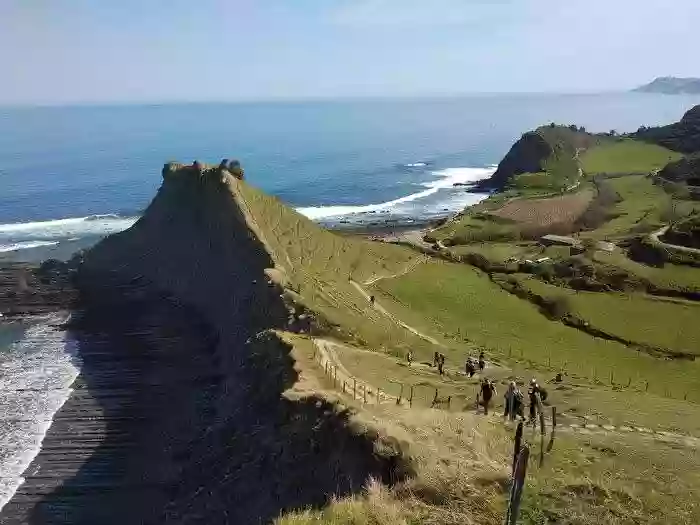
[
  {"x": 416, "y": 165},
  {"x": 35, "y": 378},
  {"x": 64, "y": 228},
  {"x": 447, "y": 179},
  {"x": 25, "y": 245}
]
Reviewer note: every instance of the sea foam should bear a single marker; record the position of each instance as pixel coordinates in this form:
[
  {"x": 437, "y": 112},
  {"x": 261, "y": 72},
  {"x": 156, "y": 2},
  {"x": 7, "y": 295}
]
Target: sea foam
[
  {"x": 446, "y": 179},
  {"x": 35, "y": 378},
  {"x": 26, "y": 235}
]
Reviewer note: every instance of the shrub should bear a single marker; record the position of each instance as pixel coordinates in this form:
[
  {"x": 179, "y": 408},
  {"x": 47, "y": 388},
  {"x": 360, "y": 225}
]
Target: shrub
[{"x": 557, "y": 308}]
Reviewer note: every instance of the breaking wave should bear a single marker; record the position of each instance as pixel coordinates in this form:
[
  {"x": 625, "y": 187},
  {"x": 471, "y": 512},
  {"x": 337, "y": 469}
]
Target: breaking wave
[
  {"x": 26, "y": 235},
  {"x": 447, "y": 179}
]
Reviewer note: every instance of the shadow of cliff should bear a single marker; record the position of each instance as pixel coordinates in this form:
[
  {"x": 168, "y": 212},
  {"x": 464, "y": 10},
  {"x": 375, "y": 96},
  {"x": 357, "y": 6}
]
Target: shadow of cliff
[{"x": 170, "y": 424}]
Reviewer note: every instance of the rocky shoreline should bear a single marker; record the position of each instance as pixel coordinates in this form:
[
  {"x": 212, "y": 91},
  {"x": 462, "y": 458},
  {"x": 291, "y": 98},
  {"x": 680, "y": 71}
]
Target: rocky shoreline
[{"x": 180, "y": 413}]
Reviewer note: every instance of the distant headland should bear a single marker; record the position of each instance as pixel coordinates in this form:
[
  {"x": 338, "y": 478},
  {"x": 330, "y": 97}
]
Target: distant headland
[{"x": 671, "y": 86}]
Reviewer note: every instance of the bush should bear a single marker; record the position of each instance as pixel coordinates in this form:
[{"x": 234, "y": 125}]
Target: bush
[
  {"x": 544, "y": 272},
  {"x": 557, "y": 308}
]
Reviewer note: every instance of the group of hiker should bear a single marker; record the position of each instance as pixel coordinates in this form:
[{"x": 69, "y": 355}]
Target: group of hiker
[
  {"x": 514, "y": 400},
  {"x": 471, "y": 366}
]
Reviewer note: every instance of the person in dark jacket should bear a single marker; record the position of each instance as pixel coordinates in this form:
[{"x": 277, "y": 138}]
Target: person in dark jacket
[
  {"x": 441, "y": 364},
  {"x": 482, "y": 361},
  {"x": 488, "y": 390},
  {"x": 470, "y": 368},
  {"x": 534, "y": 395}
]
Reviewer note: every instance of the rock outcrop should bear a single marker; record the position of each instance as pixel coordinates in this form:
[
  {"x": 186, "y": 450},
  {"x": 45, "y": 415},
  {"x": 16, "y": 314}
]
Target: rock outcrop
[
  {"x": 535, "y": 149},
  {"x": 683, "y": 136},
  {"x": 527, "y": 155},
  {"x": 182, "y": 413}
]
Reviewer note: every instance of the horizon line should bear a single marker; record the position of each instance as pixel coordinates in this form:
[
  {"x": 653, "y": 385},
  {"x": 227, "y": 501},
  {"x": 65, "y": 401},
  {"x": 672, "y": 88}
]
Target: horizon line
[{"x": 311, "y": 98}]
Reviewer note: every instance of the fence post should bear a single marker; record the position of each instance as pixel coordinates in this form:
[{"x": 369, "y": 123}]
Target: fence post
[
  {"x": 542, "y": 433},
  {"x": 410, "y": 399},
  {"x": 612, "y": 377},
  {"x": 518, "y": 442},
  {"x": 354, "y": 388},
  {"x": 343, "y": 386},
  {"x": 554, "y": 427},
  {"x": 516, "y": 489},
  {"x": 364, "y": 394},
  {"x": 646, "y": 389},
  {"x": 398, "y": 399}
]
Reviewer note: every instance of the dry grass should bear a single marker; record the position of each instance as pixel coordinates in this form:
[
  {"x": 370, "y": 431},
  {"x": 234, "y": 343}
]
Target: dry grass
[
  {"x": 545, "y": 212},
  {"x": 460, "y": 462}
]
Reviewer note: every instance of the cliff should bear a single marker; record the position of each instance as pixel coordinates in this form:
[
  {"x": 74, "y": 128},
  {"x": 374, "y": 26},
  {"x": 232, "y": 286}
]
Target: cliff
[
  {"x": 539, "y": 150},
  {"x": 671, "y": 86},
  {"x": 184, "y": 410},
  {"x": 682, "y": 136}
]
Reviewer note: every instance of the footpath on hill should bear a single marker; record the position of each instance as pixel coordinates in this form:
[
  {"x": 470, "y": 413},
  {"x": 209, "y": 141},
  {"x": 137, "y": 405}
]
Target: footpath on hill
[{"x": 327, "y": 356}]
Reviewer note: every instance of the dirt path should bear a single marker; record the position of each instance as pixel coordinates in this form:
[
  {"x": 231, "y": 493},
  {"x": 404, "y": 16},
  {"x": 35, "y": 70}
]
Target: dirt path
[
  {"x": 395, "y": 319},
  {"x": 408, "y": 268},
  {"x": 655, "y": 237},
  {"x": 344, "y": 380}
]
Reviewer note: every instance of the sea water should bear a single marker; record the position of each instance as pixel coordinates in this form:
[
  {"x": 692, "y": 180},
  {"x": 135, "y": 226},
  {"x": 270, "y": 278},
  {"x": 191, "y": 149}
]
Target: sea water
[
  {"x": 70, "y": 173},
  {"x": 37, "y": 367}
]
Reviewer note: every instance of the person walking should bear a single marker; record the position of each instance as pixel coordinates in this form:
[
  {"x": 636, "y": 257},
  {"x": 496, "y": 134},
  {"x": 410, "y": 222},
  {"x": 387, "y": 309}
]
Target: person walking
[
  {"x": 436, "y": 358},
  {"x": 469, "y": 368},
  {"x": 488, "y": 390},
  {"x": 534, "y": 398},
  {"x": 482, "y": 361},
  {"x": 409, "y": 358},
  {"x": 371, "y": 300},
  {"x": 441, "y": 364},
  {"x": 513, "y": 402}
]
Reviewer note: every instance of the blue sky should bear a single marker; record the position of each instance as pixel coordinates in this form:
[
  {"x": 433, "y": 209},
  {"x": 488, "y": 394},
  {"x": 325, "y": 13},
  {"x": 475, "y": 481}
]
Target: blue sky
[{"x": 91, "y": 51}]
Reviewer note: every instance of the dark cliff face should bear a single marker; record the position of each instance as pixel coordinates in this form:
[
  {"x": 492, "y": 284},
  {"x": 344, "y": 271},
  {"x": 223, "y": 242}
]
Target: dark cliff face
[
  {"x": 686, "y": 170},
  {"x": 180, "y": 416},
  {"x": 683, "y": 136},
  {"x": 527, "y": 155}
]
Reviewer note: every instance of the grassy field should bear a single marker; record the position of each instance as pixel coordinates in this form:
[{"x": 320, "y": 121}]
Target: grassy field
[
  {"x": 463, "y": 304},
  {"x": 317, "y": 265},
  {"x": 614, "y": 480},
  {"x": 626, "y": 156},
  {"x": 664, "y": 323},
  {"x": 640, "y": 211},
  {"x": 671, "y": 276},
  {"x": 460, "y": 458}
]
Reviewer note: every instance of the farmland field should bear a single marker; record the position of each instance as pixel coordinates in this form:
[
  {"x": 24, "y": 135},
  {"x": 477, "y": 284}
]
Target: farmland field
[{"x": 545, "y": 212}]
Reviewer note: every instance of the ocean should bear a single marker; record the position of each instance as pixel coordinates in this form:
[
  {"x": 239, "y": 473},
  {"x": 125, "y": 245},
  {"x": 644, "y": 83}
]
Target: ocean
[{"x": 70, "y": 175}]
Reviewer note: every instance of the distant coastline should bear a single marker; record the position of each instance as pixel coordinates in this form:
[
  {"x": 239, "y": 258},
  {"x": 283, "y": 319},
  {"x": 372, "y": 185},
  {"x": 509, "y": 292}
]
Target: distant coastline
[{"x": 671, "y": 86}]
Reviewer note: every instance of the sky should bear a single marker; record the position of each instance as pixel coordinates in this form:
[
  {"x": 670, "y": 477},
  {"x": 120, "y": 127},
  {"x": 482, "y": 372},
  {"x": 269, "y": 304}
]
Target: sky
[{"x": 101, "y": 51}]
